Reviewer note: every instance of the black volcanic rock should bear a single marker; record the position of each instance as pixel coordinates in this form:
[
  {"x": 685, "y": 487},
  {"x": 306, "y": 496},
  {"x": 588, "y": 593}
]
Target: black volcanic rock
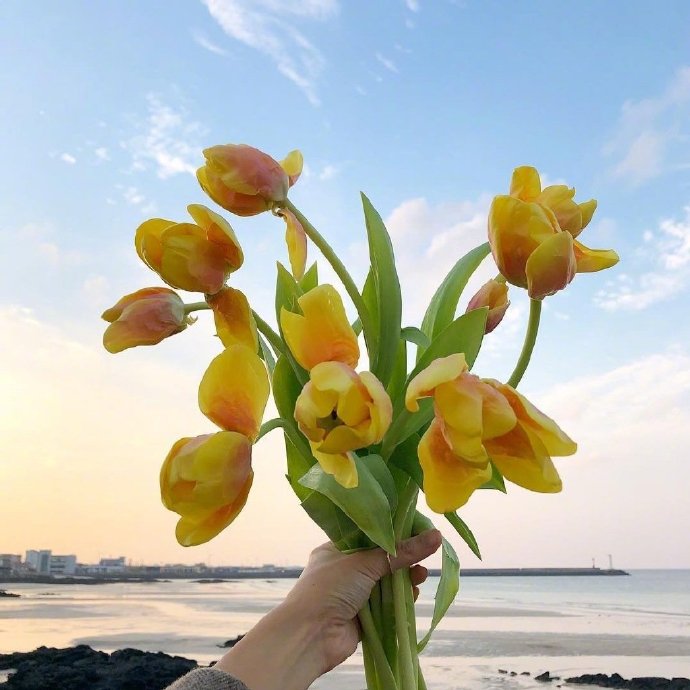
[
  {"x": 83, "y": 668},
  {"x": 11, "y": 595},
  {"x": 617, "y": 681}
]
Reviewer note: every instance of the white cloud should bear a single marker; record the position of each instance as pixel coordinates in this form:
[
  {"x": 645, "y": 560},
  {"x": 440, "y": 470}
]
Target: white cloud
[
  {"x": 387, "y": 63},
  {"x": 133, "y": 196},
  {"x": 652, "y": 133},
  {"x": 204, "y": 42},
  {"x": 169, "y": 140},
  {"x": 102, "y": 153},
  {"x": 68, "y": 158},
  {"x": 39, "y": 238},
  {"x": 268, "y": 26},
  {"x": 328, "y": 172},
  {"x": 668, "y": 252},
  {"x": 412, "y": 5}
]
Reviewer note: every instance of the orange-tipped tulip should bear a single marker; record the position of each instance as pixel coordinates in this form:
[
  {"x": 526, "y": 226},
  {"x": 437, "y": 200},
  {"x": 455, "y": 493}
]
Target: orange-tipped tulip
[
  {"x": 531, "y": 247},
  {"x": 296, "y": 240},
  {"x": 205, "y": 480},
  {"x": 477, "y": 421},
  {"x": 340, "y": 410},
  {"x": 144, "y": 317},
  {"x": 494, "y": 295},
  {"x": 246, "y": 181},
  {"x": 198, "y": 256},
  {"x": 233, "y": 318},
  {"x": 523, "y": 455},
  {"x": 234, "y": 391},
  {"x": 322, "y": 332}
]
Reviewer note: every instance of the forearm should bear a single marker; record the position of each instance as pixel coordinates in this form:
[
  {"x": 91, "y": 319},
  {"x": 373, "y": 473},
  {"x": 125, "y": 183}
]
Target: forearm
[{"x": 283, "y": 651}]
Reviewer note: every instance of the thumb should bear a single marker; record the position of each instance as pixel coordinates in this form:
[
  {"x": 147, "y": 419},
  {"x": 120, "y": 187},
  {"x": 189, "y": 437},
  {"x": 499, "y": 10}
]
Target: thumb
[{"x": 415, "y": 549}]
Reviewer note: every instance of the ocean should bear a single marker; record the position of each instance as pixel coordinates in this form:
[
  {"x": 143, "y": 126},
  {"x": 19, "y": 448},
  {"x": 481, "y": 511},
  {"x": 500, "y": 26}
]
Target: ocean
[{"x": 636, "y": 626}]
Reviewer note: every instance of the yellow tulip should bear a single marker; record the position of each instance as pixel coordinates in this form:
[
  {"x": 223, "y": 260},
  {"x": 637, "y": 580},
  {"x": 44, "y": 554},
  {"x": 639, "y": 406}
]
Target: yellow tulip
[
  {"x": 523, "y": 455},
  {"x": 233, "y": 318},
  {"x": 322, "y": 332},
  {"x": 341, "y": 465},
  {"x": 205, "y": 480},
  {"x": 449, "y": 480},
  {"x": 144, "y": 317},
  {"x": 532, "y": 233},
  {"x": 296, "y": 240},
  {"x": 198, "y": 256},
  {"x": 234, "y": 391},
  {"x": 340, "y": 410},
  {"x": 494, "y": 295},
  {"x": 246, "y": 181}
]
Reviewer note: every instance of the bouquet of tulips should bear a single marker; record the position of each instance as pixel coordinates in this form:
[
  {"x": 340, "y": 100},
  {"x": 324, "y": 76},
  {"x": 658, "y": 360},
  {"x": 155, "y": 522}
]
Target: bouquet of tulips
[{"x": 360, "y": 445}]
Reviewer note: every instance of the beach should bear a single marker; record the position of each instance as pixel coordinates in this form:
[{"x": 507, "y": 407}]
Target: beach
[{"x": 635, "y": 626}]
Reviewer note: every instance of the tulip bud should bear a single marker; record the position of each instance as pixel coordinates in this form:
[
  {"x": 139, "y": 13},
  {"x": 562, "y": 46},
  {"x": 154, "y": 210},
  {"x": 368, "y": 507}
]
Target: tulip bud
[
  {"x": 246, "y": 181},
  {"x": 494, "y": 295},
  {"x": 206, "y": 480},
  {"x": 144, "y": 317}
]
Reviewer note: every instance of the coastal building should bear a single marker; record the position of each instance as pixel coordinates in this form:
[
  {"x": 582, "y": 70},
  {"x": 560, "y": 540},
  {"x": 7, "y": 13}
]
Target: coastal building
[
  {"x": 106, "y": 566},
  {"x": 10, "y": 563},
  {"x": 43, "y": 562}
]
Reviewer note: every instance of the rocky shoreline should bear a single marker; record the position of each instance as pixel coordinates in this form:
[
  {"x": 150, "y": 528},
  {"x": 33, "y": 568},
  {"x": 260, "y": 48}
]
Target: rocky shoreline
[{"x": 84, "y": 668}]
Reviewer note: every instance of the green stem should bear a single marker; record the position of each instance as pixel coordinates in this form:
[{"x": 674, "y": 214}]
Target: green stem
[
  {"x": 339, "y": 267},
  {"x": 376, "y": 607},
  {"x": 371, "y": 638},
  {"x": 528, "y": 345},
  {"x": 370, "y": 669},
  {"x": 195, "y": 306}
]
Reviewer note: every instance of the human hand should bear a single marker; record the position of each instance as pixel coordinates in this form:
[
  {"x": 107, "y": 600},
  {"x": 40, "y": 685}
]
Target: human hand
[{"x": 315, "y": 628}]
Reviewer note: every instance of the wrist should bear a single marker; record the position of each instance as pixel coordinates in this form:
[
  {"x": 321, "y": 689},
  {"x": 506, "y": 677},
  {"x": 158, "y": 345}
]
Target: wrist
[{"x": 284, "y": 651}]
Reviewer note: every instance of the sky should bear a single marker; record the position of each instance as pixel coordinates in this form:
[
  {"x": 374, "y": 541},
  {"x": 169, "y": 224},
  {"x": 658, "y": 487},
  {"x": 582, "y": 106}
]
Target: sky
[{"x": 426, "y": 107}]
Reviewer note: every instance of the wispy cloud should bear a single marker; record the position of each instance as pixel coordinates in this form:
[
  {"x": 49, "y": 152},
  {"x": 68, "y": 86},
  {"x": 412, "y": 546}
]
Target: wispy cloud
[
  {"x": 412, "y": 5},
  {"x": 651, "y": 136},
  {"x": 68, "y": 158},
  {"x": 666, "y": 253},
  {"x": 269, "y": 27},
  {"x": 387, "y": 63},
  {"x": 168, "y": 140},
  {"x": 328, "y": 172},
  {"x": 206, "y": 43},
  {"x": 102, "y": 153}
]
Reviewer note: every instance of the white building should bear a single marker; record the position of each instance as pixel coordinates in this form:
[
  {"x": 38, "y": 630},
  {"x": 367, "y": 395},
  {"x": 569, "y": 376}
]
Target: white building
[
  {"x": 10, "y": 563},
  {"x": 44, "y": 562}
]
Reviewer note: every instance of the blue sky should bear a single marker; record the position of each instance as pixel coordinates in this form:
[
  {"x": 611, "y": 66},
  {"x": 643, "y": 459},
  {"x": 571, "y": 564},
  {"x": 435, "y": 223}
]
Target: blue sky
[{"x": 427, "y": 107}]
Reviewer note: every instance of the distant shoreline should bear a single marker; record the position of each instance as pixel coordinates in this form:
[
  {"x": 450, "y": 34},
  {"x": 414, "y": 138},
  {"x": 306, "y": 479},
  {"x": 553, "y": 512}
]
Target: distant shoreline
[{"x": 221, "y": 575}]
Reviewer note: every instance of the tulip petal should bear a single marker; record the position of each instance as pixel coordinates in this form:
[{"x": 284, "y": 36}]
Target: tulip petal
[
  {"x": 322, "y": 333},
  {"x": 292, "y": 164},
  {"x": 237, "y": 203},
  {"x": 551, "y": 266},
  {"x": 592, "y": 260},
  {"x": 234, "y": 390},
  {"x": 440, "y": 371},
  {"x": 296, "y": 240},
  {"x": 587, "y": 209},
  {"x": 521, "y": 458},
  {"x": 525, "y": 183},
  {"x": 341, "y": 466},
  {"x": 147, "y": 241},
  {"x": 559, "y": 198},
  {"x": 219, "y": 232},
  {"x": 233, "y": 318},
  {"x": 448, "y": 481},
  {"x": 381, "y": 407}
]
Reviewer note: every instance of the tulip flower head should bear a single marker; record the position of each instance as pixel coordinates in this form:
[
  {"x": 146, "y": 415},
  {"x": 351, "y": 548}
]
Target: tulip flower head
[
  {"x": 233, "y": 317},
  {"x": 478, "y": 421},
  {"x": 531, "y": 247},
  {"x": 198, "y": 257},
  {"x": 246, "y": 181},
  {"x": 494, "y": 295},
  {"x": 144, "y": 317},
  {"x": 322, "y": 332},
  {"x": 206, "y": 480}
]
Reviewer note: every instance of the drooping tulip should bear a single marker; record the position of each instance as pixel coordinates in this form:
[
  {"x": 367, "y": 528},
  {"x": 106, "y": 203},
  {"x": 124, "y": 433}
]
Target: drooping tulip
[
  {"x": 144, "y": 317},
  {"x": 246, "y": 181},
  {"x": 529, "y": 245},
  {"x": 296, "y": 240},
  {"x": 234, "y": 391},
  {"x": 494, "y": 295},
  {"x": 198, "y": 256},
  {"x": 206, "y": 480},
  {"x": 233, "y": 317},
  {"x": 322, "y": 332}
]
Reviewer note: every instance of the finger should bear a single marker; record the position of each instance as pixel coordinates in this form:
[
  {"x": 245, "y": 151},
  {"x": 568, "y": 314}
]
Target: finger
[
  {"x": 418, "y": 574},
  {"x": 415, "y": 549},
  {"x": 415, "y": 593}
]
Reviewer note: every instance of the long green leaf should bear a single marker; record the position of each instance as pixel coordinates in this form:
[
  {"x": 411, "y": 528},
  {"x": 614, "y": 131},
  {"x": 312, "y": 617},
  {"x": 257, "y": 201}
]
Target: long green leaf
[
  {"x": 413, "y": 335},
  {"x": 383, "y": 476},
  {"x": 286, "y": 387},
  {"x": 267, "y": 354},
  {"x": 448, "y": 587},
  {"x": 465, "y": 532},
  {"x": 387, "y": 288},
  {"x": 405, "y": 458},
  {"x": 310, "y": 279},
  {"x": 444, "y": 303},
  {"x": 287, "y": 291},
  {"x": 366, "y": 505}
]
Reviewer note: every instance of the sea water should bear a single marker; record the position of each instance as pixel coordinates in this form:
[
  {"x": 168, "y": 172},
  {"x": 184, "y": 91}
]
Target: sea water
[{"x": 636, "y": 625}]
